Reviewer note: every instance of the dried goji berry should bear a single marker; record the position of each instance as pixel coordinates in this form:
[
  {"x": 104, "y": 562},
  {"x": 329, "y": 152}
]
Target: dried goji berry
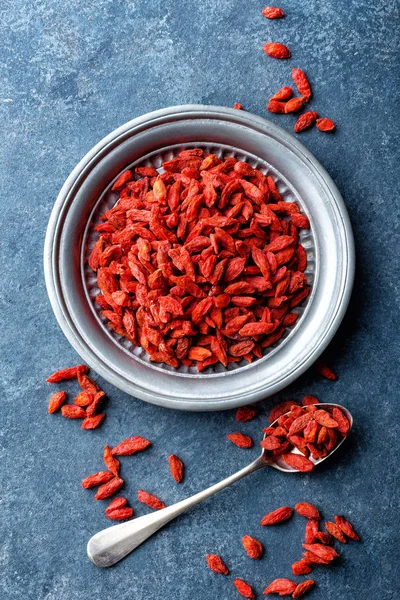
[
  {"x": 302, "y": 588},
  {"x": 70, "y": 411},
  {"x": 238, "y": 106},
  {"x": 243, "y": 588},
  {"x": 275, "y": 106},
  {"x": 240, "y": 440},
  {"x": 97, "y": 479},
  {"x": 120, "y": 514},
  {"x": 311, "y": 531},
  {"x": 70, "y": 373},
  {"x": 56, "y": 402},
  {"x": 282, "y": 586},
  {"x": 301, "y": 567},
  {"x": 305, "y": 121},
  {"x": 276, "y": 50},
  {"x": 336, "y": 531},
  {"x": 324, "y": 552},
  {"x": 325, "y": 124},
  {"x": 108, "y": 489},
  {"x": 302, "y": 83},
  {"x": 131, "y": 445},
  {"x": 216, "y": 564},
  {"x": 341, "y": 420},
  {"x": 246, "y": 413},
  {"x": 347, "y": 528},
  {"x": 305, "y": 509},
  {"x": 252, "y": 546},
  {"x": 150, "y": 500},
  {"x": 293, "y": 105},
  {"x": 277, "y": 516},
  {"x": 298, "y": 462},
  {"x": 110, "y": 461},
  {"x": 176, "y": 467},
  {"x": 283, "y": 94},
  {"x": 84, "y": 398},
  {"x": 271, "y": 12},
  {"x": 324, "y": 370},
  {"x": 92, "y": 422},
  {"x": 280, "y": 409},
  {"x": 116, "y": 503},
  {"x": 324, "y": 418},
  {"x": 309, "y": 400}
]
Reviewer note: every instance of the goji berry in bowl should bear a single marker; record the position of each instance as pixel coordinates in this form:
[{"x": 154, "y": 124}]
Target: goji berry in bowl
[{"x": 149, "y": 141}]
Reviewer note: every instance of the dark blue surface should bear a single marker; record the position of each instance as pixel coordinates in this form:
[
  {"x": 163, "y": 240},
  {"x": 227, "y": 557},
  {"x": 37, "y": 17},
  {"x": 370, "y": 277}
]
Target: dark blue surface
[{"x": 73, "y": 72}]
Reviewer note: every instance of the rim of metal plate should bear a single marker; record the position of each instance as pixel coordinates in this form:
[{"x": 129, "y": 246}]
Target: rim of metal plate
[{"x": 207, "y": 125}]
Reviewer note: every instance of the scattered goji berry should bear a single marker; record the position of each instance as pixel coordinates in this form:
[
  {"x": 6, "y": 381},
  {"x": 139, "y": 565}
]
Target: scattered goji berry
[
  {"x": 240, "y": 440},
  {"x": 324, "y": 418},
  {"x": 298, "y": 462},
  {"x": 283, "y": 94},
  {"x": 282, "y": 586},
  {"x": 324, "y": 552},
  {"x": 252, "y": 546},
  {"x": 311, "y": 531},
  {"x": 302, "y": 83},
  {"x": 118, "y": 502},
  {"x": 150, "y": 500},
  {"x": 276, "y": 50},
  {"x": 176, "y": 467},
  {"x": 243, "y": 588},
  {"x": 324, "y": 370},
  {"x": 302, "y": 588},
  {"x": 293, "y": 105},
  {"x": 133, "y": 444},
  {"x": 246, "y": 413},
  {"x": 347, "y": 528},
  {"x": 70, "y": 373},
  {"x": 301, "y": 567},
  {"x": 56, "y": 402},
  {"x": 238, "y": 106},
  {"x": 110, "y": 461},
  {"x": 305, "y": 509},
  {"x": 325, "y": 124},
  {"x": 271, "y": 12},
  {"x": 277, "y": 516},
  {"x": 108, "y": 489},
  {"x": 216, "y": 564},
  {"x": 275, "y": 106},
  {"x": 70, "y": 411},
  {"x": 336, "y": 531},
  {"x": 97, "y": 479},
  {"x": 305, "y": 121},
  {"x": 92, "y": 422},
  {"x": 120, "y": 514}
]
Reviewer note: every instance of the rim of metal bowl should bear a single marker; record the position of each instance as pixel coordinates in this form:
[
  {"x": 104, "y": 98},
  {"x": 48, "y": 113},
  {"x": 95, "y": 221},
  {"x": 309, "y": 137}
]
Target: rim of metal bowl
[{"x": 191, "y": 398}]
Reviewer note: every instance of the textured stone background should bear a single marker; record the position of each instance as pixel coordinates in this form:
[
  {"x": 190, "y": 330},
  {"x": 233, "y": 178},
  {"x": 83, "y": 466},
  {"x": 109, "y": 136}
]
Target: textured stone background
[{"x": 71, "y": 73}]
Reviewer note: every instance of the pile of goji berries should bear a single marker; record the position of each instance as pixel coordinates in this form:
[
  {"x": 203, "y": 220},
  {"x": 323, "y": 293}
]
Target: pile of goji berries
[
  {"x": 202, "y": 263},
  {"x": 86, "y": 404},
  {"x": 318, "y": 546},
  {"x": 282, "y": 102}
]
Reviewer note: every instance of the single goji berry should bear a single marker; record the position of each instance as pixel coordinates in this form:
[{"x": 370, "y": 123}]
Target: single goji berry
[
  {"x": 282, "y": 586},
  {"x": 305, "y": 121},
  {"x": 131, "y": 445},
  {"x": 293, "y": 105},
  {"x": 176, "y": 467},
  {"x": 252, "y": 546},
  {"x": 324, "y": 552},
  {"x": 283, "y": 94},
  {"x": 277, "y": 50},
  {"x": 277, "y": 516},
  {"x": 324, "y": 370},
  {"x": 309, "y": 400},
  {"x": 271, "y": 12},
  {"x": 311, "y": 531},
  {"x": 70, "y": 411},
  {"x": 347, "y": 528},
  {"x": 240, "y": 440},
  {"x": 298, "y": 462},
  {"x": 108, "y": 489},
  {"x": 120, "y": 514},
  {"x": 238, "y": 106},
  {"x": 70, "y": 373},
  {"x": 243, "y": 588},
  {"x": 56, "y": 401},
  {"x": 336, "y": 531},
  {"x": 246, "y": 413},
  {"x": 280, "y": 409},
  {"x": 216, "y": 564},
  {"x": 325, "y": 124},
  {"x": 324, "y": 418},
  {"x": 110, "y": 461},
  {"x": 305, "y": 509},
  {"x": 118, "y": 502},
  {"x": 302, "y": 83},
  {"x": 301, "y": 567},
  {"x": 302, "y": 588},
  {"x": 150, "y": 500},
  {"x": 97, "y": 479}
]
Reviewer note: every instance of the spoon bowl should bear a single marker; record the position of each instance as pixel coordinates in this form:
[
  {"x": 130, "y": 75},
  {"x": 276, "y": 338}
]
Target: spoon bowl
[{"x": 112, "y": 544}]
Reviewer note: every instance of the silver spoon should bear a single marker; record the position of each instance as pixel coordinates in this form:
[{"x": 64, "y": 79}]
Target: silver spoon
[{"x": 112, "y": 544}]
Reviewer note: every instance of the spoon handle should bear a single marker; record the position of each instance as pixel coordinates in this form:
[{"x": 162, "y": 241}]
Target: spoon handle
[{"x": 111, "y": 545}]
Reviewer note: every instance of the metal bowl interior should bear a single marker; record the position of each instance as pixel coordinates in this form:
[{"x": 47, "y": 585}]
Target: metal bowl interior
[{"x": 149, "y": 140}]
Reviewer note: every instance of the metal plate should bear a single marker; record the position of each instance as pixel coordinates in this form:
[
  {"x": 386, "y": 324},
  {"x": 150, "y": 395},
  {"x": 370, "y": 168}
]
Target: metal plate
[{"x": 149, "y": 140}]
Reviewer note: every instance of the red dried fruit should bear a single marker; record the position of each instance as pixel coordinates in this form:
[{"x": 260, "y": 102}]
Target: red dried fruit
[
  {"x": 92, "y": 422},
  {"x": 313, "y": 559},
  {"x": 93, "y": 406},
  {"x": 324, "y": 370},
  {"x": 83, "y": 399},
  {"x": 324, "y": 418},
  {"x": 301, "y": 567},
  {"x": 252, "y": 546},
  {"x": 324, "y": 538},
  {"x": 243, "y": 588},
  {"x": 300, "y": 423},
  {"x": 309, "y": 400},
  {"x": 307, "y": 510},
  {"x": 341, "y": 420},
  {"x": 298, "y": 462},
  {"x": 122, "y": 180},
  {"x": 97, "y": 479},
  {"x": 246, "y": 413},
  {"x": 325, "y": 124},
  {"x": 120, "y": 514},
  {"x": 271, "y": 12},
  {"x": 270, "y": 443},
  {"x": 276, "y": 50},
  {"x": 277, "y": 516},
  {"x": 131, "y": 445},
  {"x": 336, "y": 531},
  {"x": 283, "y": 587},
  {"x": 303, "y": 588},
  {"x": 347, "y": 528},
  {"x": 240, "y": 440},
  {"x": 108, "y": 489},
  {"x": 70, "y": 411},
  {"x": 238, "y": 106},
  {"x": 311, "y": 531},
  {"x": 176, "y": 467},
  {"x": 302, "y": 83},
  {"x": 56, "y": 402},
  {"x": 150, "y": 500},
  {"x": 110, "y": 461},
  {"x": 69, "y": 373},
  {"x": 293, "y": 105},
  {"x": 216, "y": 564},
  {"x": 115, "y": 504},
  {"x": 283, "y": 94},
  {"x": 280, "y": 409},
  {"x": 325, "y": 552},
  {"x": 305, "y": 121},
  {"x": 275, "y": 106}
]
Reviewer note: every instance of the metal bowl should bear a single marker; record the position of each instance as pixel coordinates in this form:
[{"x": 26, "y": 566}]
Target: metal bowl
[{"x": 148, "y": 141}]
